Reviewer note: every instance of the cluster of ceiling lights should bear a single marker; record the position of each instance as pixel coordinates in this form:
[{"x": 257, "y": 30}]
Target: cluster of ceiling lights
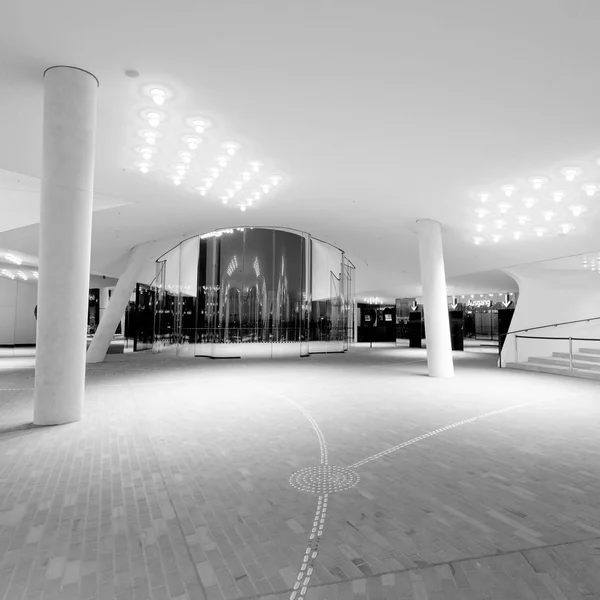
[
  {"x": 592, "y": 264},
  {"x": 538, "y": 207},
  {"x": 13, "y": 259},
  {"x": 227, "y": 176},
  {"x": 24, "y": 275}
]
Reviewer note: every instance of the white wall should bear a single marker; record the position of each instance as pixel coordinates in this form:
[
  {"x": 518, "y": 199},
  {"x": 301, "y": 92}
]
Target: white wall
[
  {"x": 17, "y": 303},
  {"x": 18, "y": 300},
  {"x": 8, "y": 295},
  {"x": 551, "y": 296}
]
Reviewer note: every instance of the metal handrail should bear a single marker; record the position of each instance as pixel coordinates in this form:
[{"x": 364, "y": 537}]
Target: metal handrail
[
  {"x": 503, "y": 336},
  {"x": 537, "y": 337},
  {"x": 540, "y": 337},
  {"x": 552, "y": 325}
]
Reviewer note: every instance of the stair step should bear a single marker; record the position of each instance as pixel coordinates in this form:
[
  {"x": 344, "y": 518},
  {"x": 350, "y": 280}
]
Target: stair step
[
  {"x": 554, "y": 370},
  {"x": 595, "y": 358},
  {"x": 590, "y": 351},
  {"x": 560, "y": 362}
]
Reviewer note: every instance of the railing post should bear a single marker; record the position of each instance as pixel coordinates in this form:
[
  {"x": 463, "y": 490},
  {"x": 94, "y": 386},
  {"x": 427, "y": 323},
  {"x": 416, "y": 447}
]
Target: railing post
[
  {"x": 499, "y": 351},
  {"x": 516, "y": 349},
  {"x": 571, "y": 354}
]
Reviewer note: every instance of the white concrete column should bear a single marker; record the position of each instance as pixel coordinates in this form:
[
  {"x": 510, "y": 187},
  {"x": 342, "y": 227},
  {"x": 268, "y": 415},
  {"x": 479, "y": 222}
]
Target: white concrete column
[
  {"x": 118, "y": 303},
  {"x": 433, "y": 282},
  {"x": 69, "y": 133},
  {"x": 103, "y": 301}
]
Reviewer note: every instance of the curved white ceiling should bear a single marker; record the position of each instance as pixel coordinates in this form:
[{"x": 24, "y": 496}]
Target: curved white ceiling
[{"x": 376, "y": 113}]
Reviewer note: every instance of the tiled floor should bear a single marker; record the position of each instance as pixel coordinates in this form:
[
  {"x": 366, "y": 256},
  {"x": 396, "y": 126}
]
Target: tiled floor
[{"x": 176, "y": 485}]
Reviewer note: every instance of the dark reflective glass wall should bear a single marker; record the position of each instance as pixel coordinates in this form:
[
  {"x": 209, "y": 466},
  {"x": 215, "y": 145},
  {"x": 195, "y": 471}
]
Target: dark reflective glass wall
[{"x": 253, "y": 285}]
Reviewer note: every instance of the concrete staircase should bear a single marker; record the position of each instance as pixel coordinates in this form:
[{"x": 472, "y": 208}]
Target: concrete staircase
[{"x": 586, "y": 364}]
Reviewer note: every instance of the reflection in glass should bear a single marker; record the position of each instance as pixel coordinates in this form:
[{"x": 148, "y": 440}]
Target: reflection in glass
[{"x": 254, "y": 286}]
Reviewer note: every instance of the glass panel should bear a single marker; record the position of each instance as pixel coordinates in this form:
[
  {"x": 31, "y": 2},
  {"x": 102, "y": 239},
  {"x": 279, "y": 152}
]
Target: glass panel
[
  {"x": 287, "y": 287},
  {"x": 144, "y": 318},
  {"x": 168, "y": 305},
  {"x": 188, "y": 291},
  {"x": 208, "y": 295},
  {"x": 305, "y": 306},
  {"x": 231, "y": 284},
  {"x": 254, "y": 286},
  {"x": 258, "y": 286}
]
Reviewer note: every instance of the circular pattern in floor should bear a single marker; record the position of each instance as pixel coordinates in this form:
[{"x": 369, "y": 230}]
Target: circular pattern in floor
[{"x": 324, "y": 479}]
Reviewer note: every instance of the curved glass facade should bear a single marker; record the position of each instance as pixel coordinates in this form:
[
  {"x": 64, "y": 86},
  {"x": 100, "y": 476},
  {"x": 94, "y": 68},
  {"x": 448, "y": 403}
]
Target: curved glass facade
[{"x": 254, "y": 291}]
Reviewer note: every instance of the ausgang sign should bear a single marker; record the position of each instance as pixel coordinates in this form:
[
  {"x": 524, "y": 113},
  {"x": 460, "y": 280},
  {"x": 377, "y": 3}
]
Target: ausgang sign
[{"x": 487, "y": 303}]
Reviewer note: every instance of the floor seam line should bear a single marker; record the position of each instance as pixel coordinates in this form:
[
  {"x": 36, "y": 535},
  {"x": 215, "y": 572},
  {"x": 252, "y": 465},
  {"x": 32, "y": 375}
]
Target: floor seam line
[{"x": 429, "y": 566}]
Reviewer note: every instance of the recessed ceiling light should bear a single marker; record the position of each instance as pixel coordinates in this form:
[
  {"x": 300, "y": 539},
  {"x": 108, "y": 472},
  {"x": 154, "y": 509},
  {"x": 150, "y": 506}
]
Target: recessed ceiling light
[
  {"x": 529, "y": 201},
  {"x": 144, "y": 166},
  {"x": 523, "y": 219},
  {"x": 517, "y": 235},
  {"x": 481, "y": 212},
  {"x": 238, "y": 185},
  {"x": 199, "y": 124},
  {"x": 538, "y": 181},
  {"x": 150, "y": 136},
  {"x": 192, "y": 141},
  {"x": 214, "y": 173},
  {"x": 496, "y": 238},
  {"x": 479, "y": 227},
  {"x": 508, "y": 189},
  {"x": 577, "y": 209},
  {"x": 224, "y": 200},
  {"x": 202, "y": 190},
  {"x": 158, "y": 95},
  {"x": 504, "y": 208},
  {"x": 558, "y": 195},
  {"x": 255, "y": 166},
  {"x": 590, "y": 188},
  {"x": 570, "y": 173},
  {"x": 275, "y": 180},
  {"x": 483, "y": 196},
  {"x": 243, "y": 208},
  {"x": 246, "y": 176},
  {"x": 185, "y": 156},
  {"x": 499, "y": 223},
  {"x": 153, "y": 117},
  {"x": 147, "y": 152},
  {"x": 181, "y": 169},
  {"x": 539, "y": 231},
  {"x": 549, "y": 215},
  {"x": 231, "y": 147}
]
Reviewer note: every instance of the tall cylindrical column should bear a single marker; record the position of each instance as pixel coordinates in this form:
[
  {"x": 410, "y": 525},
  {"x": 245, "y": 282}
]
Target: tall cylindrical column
[
  {"x": 65, "y": 239},
  {"x": 435, "y": 301}
]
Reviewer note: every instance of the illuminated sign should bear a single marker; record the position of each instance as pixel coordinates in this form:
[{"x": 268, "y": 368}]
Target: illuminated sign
[{"x": 479, "y": 303}]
